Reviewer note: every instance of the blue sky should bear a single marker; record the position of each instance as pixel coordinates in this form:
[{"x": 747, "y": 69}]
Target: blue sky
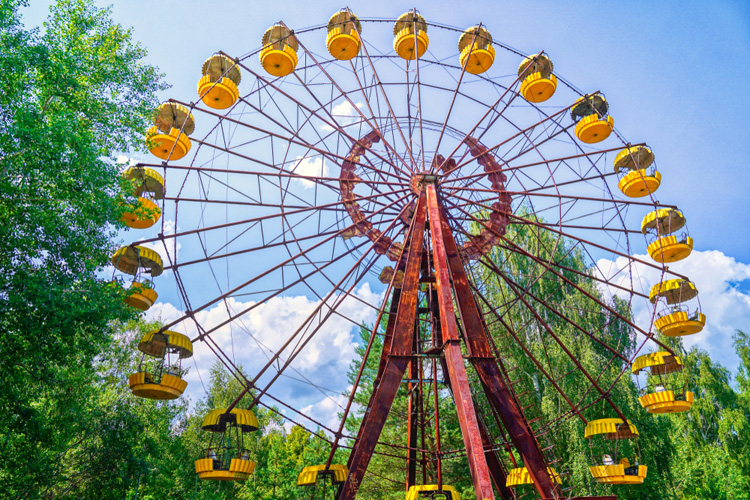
[{"x": 674, "y": 72}]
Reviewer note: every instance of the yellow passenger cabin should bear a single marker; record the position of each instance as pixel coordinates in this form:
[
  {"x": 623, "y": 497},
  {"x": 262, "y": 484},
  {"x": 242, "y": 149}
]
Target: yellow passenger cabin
[
  {"x": 227, "y": 458},
  {"x": 590, "y": 114},
  {"x": 218, "y": 86},
  {"x": 520, "y": 476},
  {"x": 168, "y": 138},
  {"x": 148, "y": 187},
  {"x": 614, "y": 451},
  {"x": 279, "y": 54},
  {"x": 410, "y": 31},
  {"x": 680, "y": 314},
  {"x": 537, "y": 81},
  {"x": 161, "y": 379},
  {"x": 667, "y": 234},
  {"x": 475, "y": 50},
  {"x": 343, "y": 40},
  {"x": 636, "y": 178},
  {"x": 138, "y": 261},
  {"x": 433, "y": 492},
  {"x": 666, "y": 389}
]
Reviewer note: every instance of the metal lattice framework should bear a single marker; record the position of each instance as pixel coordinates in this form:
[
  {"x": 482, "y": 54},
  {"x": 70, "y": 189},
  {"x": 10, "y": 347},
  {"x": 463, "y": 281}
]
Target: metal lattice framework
[{"x": 434, "y": 204}]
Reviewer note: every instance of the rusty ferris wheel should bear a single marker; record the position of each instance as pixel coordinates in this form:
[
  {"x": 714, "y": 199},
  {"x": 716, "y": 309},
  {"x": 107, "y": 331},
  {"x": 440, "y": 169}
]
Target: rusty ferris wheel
[{"x": 436, "y": 174}]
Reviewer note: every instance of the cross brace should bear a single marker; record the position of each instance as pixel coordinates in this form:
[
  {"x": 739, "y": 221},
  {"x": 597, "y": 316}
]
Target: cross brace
[{"x": 400, "y": 345}]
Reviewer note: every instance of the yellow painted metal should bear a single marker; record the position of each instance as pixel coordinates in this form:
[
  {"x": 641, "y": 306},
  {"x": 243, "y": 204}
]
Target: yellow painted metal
[
  {"x": 592, "y": 129},
  {"x": 403, "y": 44},
  {"x": 141, "y": 297},
  {"x": 674, "y": 291},
  {"x": 171, "y": 115},
  {"x": 664, "y": 361},
  {"x": 342, "y": 46},
  {"x": 220, "y": 66},
  {"x": 279, "y": 53},
  {"x": 156, "y": 343},
  {"x": 169, "y": 387},
  {"x": 477, "y": 60},
  {"x": 615, "y": 474},
  {"x": 130, "y": 258},
  {"x": 217, "y": 87},
  {"x": 278, "y": 62},
  {"x": 170, "y": 146},
  {"x": 536, "y": 88},
  {"x": 664, "y": 220},
  {"x": 475, "y": 49},
  {"x": 239, "y": 469},
  {"x": 665, "y": 402},
  {"x": 217, "y": 420},
  {"x": 403, "y": 31},
  {"x": 638, "y": 183},
  {"x": 425, "y": 490},
  {"x": 669, "y": 249},
  {"x": 143, "y": 215},
  {"x": 407, "y": 20},
  {"x": 634, "y": 158},
  {"x": 147, "y": 180},
  {"x": 611, "y": 428},
  {"x": 536, "y": 63},
  {"x": 343, "y": 40},
  {"x": 678, "y": 324},
  {"x": 309, "y": 475},
  {"x": 589, "y": 105},
  {"x": 520, "y": 475},
  {"x": 220, "y": 94}
]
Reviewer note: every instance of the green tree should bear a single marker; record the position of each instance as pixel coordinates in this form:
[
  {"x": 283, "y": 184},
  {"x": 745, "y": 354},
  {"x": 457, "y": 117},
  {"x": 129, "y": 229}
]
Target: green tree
[{"x": 71, "y": 97}]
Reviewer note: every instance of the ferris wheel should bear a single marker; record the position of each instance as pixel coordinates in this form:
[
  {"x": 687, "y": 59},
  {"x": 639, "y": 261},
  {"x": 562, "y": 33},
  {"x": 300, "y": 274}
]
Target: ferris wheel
[{"x": 457, "y": 200}]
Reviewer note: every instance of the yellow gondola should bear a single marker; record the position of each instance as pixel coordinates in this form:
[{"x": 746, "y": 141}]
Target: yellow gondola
[
  {"x": 593, "y": 124},
  {"x": 614, "y": 440},
  {"x": 132, "y": 258},
  {"x": 520, "y": 476},
  {"x": 217, "y": 88},
  {"x": 226, "y": 458},
  {"x": 164, "y": 379},
  {"x": 537, "y": 81},
  {"x": 433, "y": 492},
  {"x": 668, "y": 393},
  {"x": 343, "y": 39},
  {"x": 677, "y": 319},
  {"x": 638, "y": 179},
  {"x": 279, "y": 54},
  {"x": 141, "y": 295},
  {"x": 661, "y": 227},
  {"x": 148, "y": 186},
  {"x": 405, "y": 36},
  {"x": 475, "y": 49},
  {"x": 137, "y": 260},
  {"x": 168, "y": 138}
]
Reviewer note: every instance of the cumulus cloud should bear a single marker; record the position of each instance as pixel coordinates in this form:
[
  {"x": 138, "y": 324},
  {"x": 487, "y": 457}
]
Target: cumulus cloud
[
  {"x": 344, "y": 114},
  {"x": 253, "y": 337},
  {"x": 312, "y": 167},
  {"x": 719, "y": 279}
]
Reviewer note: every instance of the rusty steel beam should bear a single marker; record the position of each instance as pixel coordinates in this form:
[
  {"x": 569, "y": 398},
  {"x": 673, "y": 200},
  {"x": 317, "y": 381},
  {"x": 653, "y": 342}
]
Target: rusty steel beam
[
  {"x": 484, "y": 362},
  {"x": 395, "y": 364},
  {"x": 459, "y": 381}
]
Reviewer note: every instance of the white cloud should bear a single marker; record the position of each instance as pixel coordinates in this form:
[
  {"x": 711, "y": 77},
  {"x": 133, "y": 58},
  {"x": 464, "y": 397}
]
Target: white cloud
[
  {"x": 125, "y": 161},
  {"x": 312, "y": 167},
  {"x": 718, "y": 278},
  {"x": 344, "y": 114},
  {"x": 250, "y": 340}
]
